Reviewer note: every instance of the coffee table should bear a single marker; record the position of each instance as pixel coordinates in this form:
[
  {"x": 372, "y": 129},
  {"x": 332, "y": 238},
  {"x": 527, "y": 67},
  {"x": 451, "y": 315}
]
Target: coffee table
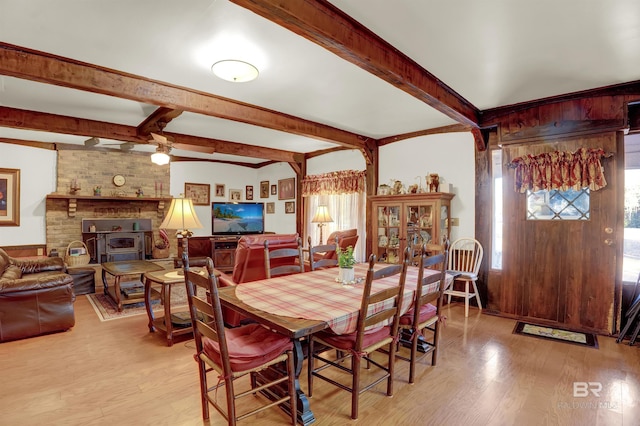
[{"x": 120, "y": 269}]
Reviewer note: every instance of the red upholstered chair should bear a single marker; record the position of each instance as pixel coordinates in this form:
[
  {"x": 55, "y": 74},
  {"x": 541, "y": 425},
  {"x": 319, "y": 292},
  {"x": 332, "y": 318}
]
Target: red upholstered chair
[
  {"x": 367, "y": 339},
  {"x": 249, "y": 263},
  {"x": 225, "y": 355},
  {"x": 344, "y": 239},
  {"x": 424, "y": 319}
]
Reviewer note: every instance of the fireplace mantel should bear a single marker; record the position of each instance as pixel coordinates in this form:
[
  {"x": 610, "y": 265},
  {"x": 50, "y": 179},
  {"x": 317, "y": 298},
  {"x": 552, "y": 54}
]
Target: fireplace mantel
[{"x": 72, "y": 201}]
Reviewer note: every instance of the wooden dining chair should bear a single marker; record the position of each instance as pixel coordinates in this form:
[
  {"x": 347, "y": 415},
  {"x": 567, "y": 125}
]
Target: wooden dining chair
[
  {"x": 465, "y": 257},
  {"x": 283, "y": 261},
  {"x": 322, "y": 256},
  {"x": 226, "y": 355},
  {"x": 422, "y": 319},
  {"x": 377, "y": 308}
]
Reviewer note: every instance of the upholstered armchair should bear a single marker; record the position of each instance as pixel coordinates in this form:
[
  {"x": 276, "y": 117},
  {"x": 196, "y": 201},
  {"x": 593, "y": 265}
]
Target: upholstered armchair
[
  {"x": 36, "y": 297},
  {"x": 344, "y": 239}
]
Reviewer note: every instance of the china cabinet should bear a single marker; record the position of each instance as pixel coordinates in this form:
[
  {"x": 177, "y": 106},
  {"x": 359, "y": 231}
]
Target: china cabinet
[{"x": 409, "y": 220}]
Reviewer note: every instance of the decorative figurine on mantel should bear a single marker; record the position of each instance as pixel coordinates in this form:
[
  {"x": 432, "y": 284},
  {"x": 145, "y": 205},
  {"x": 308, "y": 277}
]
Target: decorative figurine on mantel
[
  {"x": 74, "y": 187},
  {"x": 97, "y": 191}
]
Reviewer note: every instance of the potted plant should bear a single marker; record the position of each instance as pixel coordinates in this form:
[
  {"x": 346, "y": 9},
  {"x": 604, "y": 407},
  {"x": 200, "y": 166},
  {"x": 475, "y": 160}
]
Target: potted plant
[{"x": 346, "y": 260}]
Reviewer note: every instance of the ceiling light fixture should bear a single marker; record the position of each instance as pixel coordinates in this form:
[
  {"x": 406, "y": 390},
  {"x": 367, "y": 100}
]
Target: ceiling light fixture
[
  {"x": 235, "y": 71},
  {"x": 161, "y": 156}
]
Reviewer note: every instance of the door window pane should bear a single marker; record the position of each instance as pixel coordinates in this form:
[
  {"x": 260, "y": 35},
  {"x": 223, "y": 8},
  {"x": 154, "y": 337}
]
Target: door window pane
[{"x": 558, "y": 205}]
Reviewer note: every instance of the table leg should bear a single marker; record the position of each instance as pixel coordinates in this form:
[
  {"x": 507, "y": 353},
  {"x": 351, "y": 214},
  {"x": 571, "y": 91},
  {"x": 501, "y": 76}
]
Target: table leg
[
  {"x": 147, "y": 304},
  {"x": 305, "y": 415},
  {"x": 104, "y": 282},
  {"x": 166, "y": 289},
  {"x": 116, "y": 292}
]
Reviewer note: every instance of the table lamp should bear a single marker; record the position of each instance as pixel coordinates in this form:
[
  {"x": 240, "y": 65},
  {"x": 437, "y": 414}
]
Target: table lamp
[
  {"x": 321, "y": 217},
  {"x": 182, "y": 217}
]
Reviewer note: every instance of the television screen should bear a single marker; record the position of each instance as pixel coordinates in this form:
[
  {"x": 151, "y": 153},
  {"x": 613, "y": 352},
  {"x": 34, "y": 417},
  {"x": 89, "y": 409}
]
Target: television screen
[{"x": 237, "y": 218}]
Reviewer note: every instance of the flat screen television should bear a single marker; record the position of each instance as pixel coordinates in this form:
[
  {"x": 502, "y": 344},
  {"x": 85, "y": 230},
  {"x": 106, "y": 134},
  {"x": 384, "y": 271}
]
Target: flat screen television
[{"x": 236, "y": 218}]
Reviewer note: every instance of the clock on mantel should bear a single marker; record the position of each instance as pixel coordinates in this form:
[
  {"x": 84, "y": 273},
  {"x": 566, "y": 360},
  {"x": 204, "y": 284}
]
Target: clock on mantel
[{"x": 119, "y": 180}]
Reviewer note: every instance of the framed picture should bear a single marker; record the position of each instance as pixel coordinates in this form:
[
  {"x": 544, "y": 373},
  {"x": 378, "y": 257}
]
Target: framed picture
[
  {"x": 271, "y": 208},
  {"x": 248, "y": 192},
  {"x": 287, "y": 189},
  {"x": 264, "y": 189},
  {"x": 290, "y": 207},
  {"x": 235, "y": 195},
  {"x": 274, "y": 189},
  {"x": 219, "y": 190},
  {"x": 9, "y": 197},
  {"x": 198, "y": 192}
]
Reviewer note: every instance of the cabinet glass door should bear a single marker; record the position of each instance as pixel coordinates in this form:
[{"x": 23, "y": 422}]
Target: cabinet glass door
[
  {"x": 419, "y": 224},
  {"x": 388, "y": 235}
]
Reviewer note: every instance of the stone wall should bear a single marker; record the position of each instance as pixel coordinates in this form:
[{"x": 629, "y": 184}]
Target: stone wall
[{"x": 92, "y": 168}]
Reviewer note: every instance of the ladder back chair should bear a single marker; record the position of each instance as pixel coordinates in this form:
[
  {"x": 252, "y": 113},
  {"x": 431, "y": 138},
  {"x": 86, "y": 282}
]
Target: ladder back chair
[
  {"x": 465, "y": 257},
  {"x": 283, "y": 261},
  {"x": 225, "y": 355},
  {"x": 424, "y": 316},
  {"x": 320, "y": 256},
  {"x": 369, "y": 336}
]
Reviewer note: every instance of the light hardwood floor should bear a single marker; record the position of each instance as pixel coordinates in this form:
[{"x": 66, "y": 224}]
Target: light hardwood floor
[{"x": 117, "y": 373}]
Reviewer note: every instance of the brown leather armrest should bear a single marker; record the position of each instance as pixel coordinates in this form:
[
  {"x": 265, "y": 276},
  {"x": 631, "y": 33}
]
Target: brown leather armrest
[
  {"x": 32, "y": 266},
  {"x": 225, "y": 280}
]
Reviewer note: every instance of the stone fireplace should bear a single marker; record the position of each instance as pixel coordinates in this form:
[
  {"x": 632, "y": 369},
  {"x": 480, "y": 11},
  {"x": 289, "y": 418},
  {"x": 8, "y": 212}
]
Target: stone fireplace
[{"x": 142, "y": 199}]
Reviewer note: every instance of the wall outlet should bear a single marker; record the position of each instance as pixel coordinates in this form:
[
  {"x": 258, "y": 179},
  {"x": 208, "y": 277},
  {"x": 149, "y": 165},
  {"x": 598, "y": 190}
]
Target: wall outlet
[{"x": 455, "y": 221}]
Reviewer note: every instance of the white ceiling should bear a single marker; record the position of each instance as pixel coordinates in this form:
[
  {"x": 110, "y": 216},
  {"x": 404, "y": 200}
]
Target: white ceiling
[{"x": 491, "y": 52}]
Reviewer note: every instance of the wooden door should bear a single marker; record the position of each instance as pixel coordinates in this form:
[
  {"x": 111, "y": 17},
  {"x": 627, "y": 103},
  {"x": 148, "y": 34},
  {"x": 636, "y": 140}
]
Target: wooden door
[{"x": 562, "y": 271}]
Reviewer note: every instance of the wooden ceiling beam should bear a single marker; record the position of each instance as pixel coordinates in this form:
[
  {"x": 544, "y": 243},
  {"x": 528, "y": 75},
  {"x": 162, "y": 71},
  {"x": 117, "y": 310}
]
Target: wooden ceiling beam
[
  {"x": 29, "y": 64},
  {"x": 326, "y": 25},
  {"x": 42, "y": 121},
  {"x": 444, "y": 129},
  {"x": 157, "y": 121}
]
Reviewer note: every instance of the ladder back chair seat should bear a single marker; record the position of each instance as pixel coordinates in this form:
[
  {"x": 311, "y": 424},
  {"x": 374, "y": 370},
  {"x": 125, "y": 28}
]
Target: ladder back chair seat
[{"x": 225, "y": 355}]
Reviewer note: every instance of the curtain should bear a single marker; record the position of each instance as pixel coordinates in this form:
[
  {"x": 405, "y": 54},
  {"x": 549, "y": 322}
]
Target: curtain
[
  {"x": 561, "y": 170},
  {"x": 344, "y": 194}
]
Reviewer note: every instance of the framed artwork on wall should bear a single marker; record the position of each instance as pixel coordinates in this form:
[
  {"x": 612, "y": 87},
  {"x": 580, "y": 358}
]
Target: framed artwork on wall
[
  {"x": 248, "y": 192},
  {"x": 9, "y": 197},
  {"x": 219, "y": 190},
  {"x": 271, "y": 208},
  {"x": 264, "y": 189},
  {"x": 290, "y": 207},
  {"x": 235, "y": 195},
  {"x": 198, "y": 192},
  {"x": 274, "y": 189},
  {"x": 287, "y": 189}
]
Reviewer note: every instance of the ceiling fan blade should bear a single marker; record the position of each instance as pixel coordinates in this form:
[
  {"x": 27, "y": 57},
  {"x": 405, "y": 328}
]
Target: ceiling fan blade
[
  {"x": 194, "y": 148},
  {"x": 92, "y": 141},
  {"x": 127, "y": 146},
  {"x": 159, "y": 139}
]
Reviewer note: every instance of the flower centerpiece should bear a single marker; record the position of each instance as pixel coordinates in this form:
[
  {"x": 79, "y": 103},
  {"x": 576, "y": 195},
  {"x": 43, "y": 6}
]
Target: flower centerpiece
[
  {"x": 346, "y": 260},
  {"x": 162, "y": 246}
]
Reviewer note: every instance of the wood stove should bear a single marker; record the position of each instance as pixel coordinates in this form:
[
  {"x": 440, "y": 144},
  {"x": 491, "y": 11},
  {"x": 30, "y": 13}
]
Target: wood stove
[{"x": 112, "y": 240}]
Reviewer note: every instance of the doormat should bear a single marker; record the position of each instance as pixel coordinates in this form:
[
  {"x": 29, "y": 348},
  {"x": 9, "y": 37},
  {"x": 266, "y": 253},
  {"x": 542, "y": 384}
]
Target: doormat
[
  {"x": 107, "y": 310},
  {"x": 557, "y": 334}
]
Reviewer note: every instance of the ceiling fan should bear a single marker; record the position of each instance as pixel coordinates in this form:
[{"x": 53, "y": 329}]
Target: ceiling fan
[
  {"x": 161, "y": 156},
  {"x": 94, "y": 141}
]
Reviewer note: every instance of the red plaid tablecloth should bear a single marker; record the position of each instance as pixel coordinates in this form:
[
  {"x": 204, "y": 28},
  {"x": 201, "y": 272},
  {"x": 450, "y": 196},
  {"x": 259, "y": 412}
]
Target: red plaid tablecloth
[{"x": 317, "y": 296}]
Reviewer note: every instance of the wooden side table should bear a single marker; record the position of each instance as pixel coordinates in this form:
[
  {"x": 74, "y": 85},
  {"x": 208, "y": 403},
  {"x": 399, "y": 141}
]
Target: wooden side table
[{"x": 166, "y": 279}]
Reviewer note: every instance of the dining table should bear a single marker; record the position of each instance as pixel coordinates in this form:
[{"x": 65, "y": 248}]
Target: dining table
[{"x": 302, "y": 304}]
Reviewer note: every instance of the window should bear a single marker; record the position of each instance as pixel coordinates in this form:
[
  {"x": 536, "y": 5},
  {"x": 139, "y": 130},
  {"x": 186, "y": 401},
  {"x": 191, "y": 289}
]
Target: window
[
  {"x": 496, "y": 226},
  {"x": 558, "y": 205}
]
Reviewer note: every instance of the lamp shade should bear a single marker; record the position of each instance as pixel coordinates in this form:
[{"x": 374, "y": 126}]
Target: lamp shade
[
  {"x": 322, "y": 215},
  {"x": 181, "y": 215}
]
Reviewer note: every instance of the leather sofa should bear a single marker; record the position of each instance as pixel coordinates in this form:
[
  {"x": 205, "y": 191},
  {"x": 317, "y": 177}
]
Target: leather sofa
[
  {"x": 36, "y": 297},
  {"x": 249, "y": 263}
]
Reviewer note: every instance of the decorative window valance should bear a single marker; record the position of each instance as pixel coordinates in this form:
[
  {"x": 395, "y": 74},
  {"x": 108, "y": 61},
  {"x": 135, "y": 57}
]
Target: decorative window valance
[
  {"x": 342, "y": 182},
  {"x": 561, "y": 170}
]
